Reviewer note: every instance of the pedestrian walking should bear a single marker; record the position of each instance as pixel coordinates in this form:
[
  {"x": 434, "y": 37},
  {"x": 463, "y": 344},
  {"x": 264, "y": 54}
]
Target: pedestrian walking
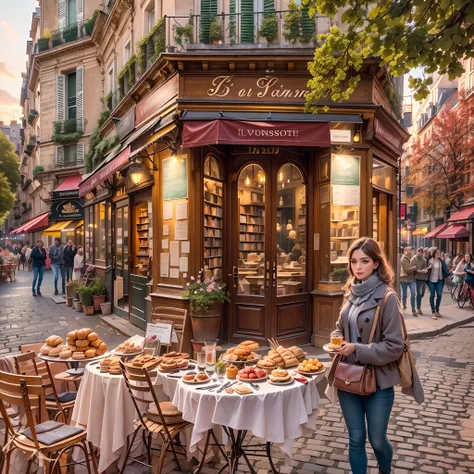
[
  {"x": 56, "y": 254},
  {"x": 421, "y": 272},
  {"x": 426, "y": 253},
  {"x": 68, "y": 256},
  {"x": 28, "y": 257},
  {"x": 469, "y": 270},
  {"x": 407, "y": 280},
  {"x": 78, "y": 264},
  {"x": 448, "y": 260},
  {"x": 458, "y": 272},
  {"x": 437, "y": 272},
  {"x": 370, "y": 278},
  {"x": 22, "y": 260},
  {"x": 38, "y": 257}
]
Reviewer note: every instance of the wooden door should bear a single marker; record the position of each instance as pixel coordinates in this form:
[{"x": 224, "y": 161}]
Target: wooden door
[{"x": 269, "y": 251}]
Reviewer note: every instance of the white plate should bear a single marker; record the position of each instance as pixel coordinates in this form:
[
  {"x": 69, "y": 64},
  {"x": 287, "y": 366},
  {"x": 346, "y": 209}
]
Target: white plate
[
  {"x": 262, "y": 379},
  {"x": 196, "y": 383},
  {"x": 329, "y": 348},
  {"x": 251, "y": 361},
  {"x": 128, "y": 354},
  {"x": 282, "y": 383},
  {"x": 317, "y": 372}
]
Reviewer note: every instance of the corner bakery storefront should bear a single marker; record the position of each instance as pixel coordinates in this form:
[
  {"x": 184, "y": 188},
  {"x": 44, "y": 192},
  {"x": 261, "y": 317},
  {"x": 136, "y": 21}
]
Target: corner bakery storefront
[{"x": 264, "y": 197}]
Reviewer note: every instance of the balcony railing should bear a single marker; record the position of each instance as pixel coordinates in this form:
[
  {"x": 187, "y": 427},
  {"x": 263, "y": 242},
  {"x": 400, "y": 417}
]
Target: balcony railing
[{"x": 70, "y": 33}]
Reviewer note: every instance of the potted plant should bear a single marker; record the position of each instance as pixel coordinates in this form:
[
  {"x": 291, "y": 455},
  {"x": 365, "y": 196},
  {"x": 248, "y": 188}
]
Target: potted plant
[
  {"x": 292, "y": 23},
  {"x": 184, "y": 34},
  {"x": 106, "y": 308},
  {"x": 85, "y": 295},
  {"x": 216, "y": 31},
  {"x": 43, "y": 42},
  {"x": 340, "y": 275},
  {"x": 269, "y": 28},
  {"x": 70, "y": 33},
  {"x": 88, "y": 310},
  {"x": 206, "y": 298},
  {"x": 56, "y": 39},
  {"x": 98, "y": 295}
]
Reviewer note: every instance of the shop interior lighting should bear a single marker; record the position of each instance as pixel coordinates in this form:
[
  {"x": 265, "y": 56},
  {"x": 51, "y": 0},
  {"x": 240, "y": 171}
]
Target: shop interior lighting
[
  {"x": 356, "y": 138},
  {"x": 289, "y": 226}
]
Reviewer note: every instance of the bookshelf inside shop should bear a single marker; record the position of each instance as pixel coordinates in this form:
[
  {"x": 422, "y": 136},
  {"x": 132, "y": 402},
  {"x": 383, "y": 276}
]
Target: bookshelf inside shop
[
  {"x": 344, "y": 230},
  {"x": 142, "y": 253},
  {"x": 302, "y": 224},
  {"x": 213, "y": 227},
  {"x": 252, "y": 231},
  {"x": 375, "y": 231}
]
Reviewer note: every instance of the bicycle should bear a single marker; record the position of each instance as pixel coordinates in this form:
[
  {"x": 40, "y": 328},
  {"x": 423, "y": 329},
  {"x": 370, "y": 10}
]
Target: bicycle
[
  {"x": 456, "y": 288},
  {"x": 465, "y": 294}
]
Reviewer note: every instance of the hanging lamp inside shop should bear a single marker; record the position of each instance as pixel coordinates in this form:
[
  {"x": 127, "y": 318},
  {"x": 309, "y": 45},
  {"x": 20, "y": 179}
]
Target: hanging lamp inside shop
[
  {"x": 138, "y": 173},
  {"x": 289, "y": 226}
]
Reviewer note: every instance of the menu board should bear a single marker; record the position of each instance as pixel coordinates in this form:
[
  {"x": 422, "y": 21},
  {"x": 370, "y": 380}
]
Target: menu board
[
  {"x": 174, "y": 178},
  {"x": 345, "y": 180}
]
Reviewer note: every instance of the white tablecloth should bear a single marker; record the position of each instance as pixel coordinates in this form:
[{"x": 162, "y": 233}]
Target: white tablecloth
[
  {"x": 105, "y": 408},
  {"x": 278, "y": 414}
]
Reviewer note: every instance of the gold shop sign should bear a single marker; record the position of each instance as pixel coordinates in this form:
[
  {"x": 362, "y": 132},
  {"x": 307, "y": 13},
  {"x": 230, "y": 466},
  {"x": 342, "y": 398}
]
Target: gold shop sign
[{"x": 266, "y": 88}]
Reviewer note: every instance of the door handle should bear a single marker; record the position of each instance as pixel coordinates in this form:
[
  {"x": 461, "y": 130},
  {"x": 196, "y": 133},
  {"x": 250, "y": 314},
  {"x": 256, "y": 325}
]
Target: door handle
[
  {"x": 235, "y": 276},
  {"x": 267, "y": 274},
  {"x": 274, "y": 277}
]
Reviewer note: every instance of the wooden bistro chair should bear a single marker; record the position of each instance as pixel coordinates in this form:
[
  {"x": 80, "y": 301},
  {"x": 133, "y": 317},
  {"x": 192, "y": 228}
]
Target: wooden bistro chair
[
  {"x": 11, "y": 271},
  {"x": 59, "y": 405},
  {"x": 161, "y": 419},
  {"x": 27, "y": 393},
  {"x": 177, "y": 316}
]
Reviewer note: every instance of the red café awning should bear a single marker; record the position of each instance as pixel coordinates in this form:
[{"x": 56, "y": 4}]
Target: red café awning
[
  {"x": 36, "y": 223},
  {"x": 69, "y": 183},
  {"x": 239, "y": 132},
  {"x": 464, "y": 214},
  {"x": 99, "y": 176},
  {"x": 454, "y": 232},
  {"x": 435, "y": 232}
]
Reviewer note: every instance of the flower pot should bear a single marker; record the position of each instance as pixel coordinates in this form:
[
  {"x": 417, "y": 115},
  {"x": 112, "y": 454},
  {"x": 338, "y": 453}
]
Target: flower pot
[
  {"x": 88, "y": 310},
  {"x": 97, "y": 301},
  {"x": 69, "y": 290},
  {"x": 78, "y": 306},
  {"x": 75, "y": 295},
  {"x": 206, "y": 325},
  {"x": 86, "y": 299},
  {"x": 69, "y": 300},
  {"x": 106, "y": 308}
]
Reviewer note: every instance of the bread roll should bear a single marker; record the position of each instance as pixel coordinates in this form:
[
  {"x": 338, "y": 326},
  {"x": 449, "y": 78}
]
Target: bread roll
[
  {"x": 78, "y": 355},
  {"x": 45, "y": 349},
  {"x": 72, "y": 335},
  {"x": 70, "y": 341},
  {"x": 93, "y": 336},
  {"x": 51, "y": 341},
  {"x": 90, "y": 352},
  {"x": 82, "y": 348},
  {"x": 65, "y": 354},
  {"x": 54, "y": 352},
  {"x": 102, "y": 349},
  {"x": 82, "y": 342},
  {"x": 72, "y": 347},
  {"x": 95, "y": 343},
  {"x": 83, "y": 333}
]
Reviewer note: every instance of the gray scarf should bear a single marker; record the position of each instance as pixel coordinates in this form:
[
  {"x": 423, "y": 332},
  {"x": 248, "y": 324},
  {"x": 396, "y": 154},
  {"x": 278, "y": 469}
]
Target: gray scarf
[{"x": 361, "y": 291}]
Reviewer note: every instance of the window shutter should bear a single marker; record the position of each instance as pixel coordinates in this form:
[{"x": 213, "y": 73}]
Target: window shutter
[
  {"x": 308, "y": 26},
  {"x": 269, "y": 6},
  {"x": 60, "y": 156},
  {"x": 208, "y": 12},
  {"x": 80, "y": 153},
  {"x": 247, "y": 21},
  {"x": 79, "y": 11},
  {"x": 60, "y": 97},
  {"x": 62, "y": 11},
  {"x": 80, "y": 97},
  {"x": 232, "y": 22}
]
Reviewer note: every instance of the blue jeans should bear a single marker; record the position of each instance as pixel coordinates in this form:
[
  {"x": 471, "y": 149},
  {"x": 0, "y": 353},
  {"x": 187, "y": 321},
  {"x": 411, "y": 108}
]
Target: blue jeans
[
  {"x": 376, "y": 408},
  {"x": 58, "y": 269},
  {"x": 435, "y": 288},
  {"x": 420, "y": 292},
  {"x": 405, "y": 285},
  {"x": 68, "y": 271},
  {"x": 38, "y": 273}
]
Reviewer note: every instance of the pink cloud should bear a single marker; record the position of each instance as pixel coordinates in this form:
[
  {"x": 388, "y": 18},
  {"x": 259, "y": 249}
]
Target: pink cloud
[
  {"x": 8, "y": 99},
  {"x": 4, "y": 71}
]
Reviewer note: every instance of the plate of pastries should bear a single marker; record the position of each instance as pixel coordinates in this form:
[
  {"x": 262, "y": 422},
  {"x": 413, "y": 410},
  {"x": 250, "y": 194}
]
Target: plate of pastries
[
  {"x": 280, "y": 377},
  {"x": 127, "y": 348},
  {"x": 195, "y": 379},
  {"x": 168, "y": 365},
  {"x": 80, "y": 344},
  {"x": 176, "y": 355},
  {"x": 311, "y": 367},
  {"x": 267, "y": 364},
  {"x": 285, "y": 357},
  {"x": 252, "y": 374},
  {"x": 242, "y": 353},
  {"x": 110, "y": 365},
  {"x": 144, "y": 361}
]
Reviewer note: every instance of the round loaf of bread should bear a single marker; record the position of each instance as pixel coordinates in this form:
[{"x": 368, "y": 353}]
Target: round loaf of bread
[
  {"x": 65, "y": 354},
  {"x": 54, "y": 352},
  {"x": 102, "y": 349},
  {"x": 82, "y": 348},
  {"x": 82, "y": 342},
  {"x": 96, "y": 343},
  {"x": 72, "y": 335},
  {"x": 70, "y": 341},
  {"x": 93, "y": 336},
  {"x": 90, "y": 352},
  {"x": 45, "y": 349},
  {"x": 78, "y": 355},
  {"x": 72, "y": 347},
  {"x": 83, "y": 333}
]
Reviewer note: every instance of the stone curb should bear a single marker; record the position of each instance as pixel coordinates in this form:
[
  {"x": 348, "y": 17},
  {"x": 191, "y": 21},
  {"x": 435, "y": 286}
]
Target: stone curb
[{"x": 417, "y": 335}]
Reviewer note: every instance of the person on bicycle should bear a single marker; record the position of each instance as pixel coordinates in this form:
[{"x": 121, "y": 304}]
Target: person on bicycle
[
  {"x": 459, "y": 270},
  {"x": 469, "y": 270}
]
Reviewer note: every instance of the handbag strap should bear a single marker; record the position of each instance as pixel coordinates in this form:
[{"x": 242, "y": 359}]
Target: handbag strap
[
  {"x": 374, "y": 325},
  {"x": 386, "y": 296}
]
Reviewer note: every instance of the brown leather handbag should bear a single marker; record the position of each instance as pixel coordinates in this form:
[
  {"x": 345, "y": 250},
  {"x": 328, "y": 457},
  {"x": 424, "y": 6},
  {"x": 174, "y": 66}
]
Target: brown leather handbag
[{"x": 354, "y": 378}]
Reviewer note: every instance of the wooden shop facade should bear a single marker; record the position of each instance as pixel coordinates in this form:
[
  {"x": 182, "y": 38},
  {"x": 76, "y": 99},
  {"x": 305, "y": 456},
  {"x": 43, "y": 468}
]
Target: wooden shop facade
[{"x": 220, "y": 169}]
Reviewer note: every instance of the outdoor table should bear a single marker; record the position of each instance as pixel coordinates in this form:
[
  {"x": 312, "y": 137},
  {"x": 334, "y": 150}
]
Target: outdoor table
[{"x": 276, "y": 414}]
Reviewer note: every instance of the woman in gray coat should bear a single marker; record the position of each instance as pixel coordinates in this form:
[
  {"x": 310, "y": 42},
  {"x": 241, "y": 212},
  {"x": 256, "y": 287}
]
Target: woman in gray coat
[{"x": 370, "y": 277}]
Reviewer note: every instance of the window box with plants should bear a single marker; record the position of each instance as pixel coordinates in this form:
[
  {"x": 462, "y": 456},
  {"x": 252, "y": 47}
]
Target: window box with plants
[
  {"x": 32, "y": 116},
  {"x": 89, "y": 24},
  {"x": 151, "y": 46},
  {"x": 70, "y": 33},
  {"x": 127, "y": 76},
  {"x": 43, "y": 42},
  {"x": 37, "y": 170},
  {"x": 99, "y": 295},
  {"x": 66, "y": 131},
  {"x": 184, "y": 34}
]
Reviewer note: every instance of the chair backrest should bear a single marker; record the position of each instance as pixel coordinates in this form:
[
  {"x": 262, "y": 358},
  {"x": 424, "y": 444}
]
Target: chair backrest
[
  {"x": 139, "y": 384},
  {"x": 178, "y": 316},
  {"x": 55, "y": 367},
  {"x": 26, "y": 393}
]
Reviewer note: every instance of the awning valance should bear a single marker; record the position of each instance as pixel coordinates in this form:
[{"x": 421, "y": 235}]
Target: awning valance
[
  {"x": 454, "y": 232},
  {"x": 36, "y": 223},
  {"x": 55, "y": 229},
  {"x": 230, "y": 132},
  {"x": 464, "y": 214},
  {"x": 435, "y": 232}
]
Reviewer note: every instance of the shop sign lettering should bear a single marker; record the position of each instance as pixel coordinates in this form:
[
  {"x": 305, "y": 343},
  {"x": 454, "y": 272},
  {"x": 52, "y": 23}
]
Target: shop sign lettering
[{"x": 261, "y": 88}]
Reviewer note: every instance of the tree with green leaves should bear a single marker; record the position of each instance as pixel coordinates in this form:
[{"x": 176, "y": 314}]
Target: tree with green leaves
[
  {"x": 9, "y": 163},
  {"x": 7, "y": 198},
  {"x": 405, "y": 34}
]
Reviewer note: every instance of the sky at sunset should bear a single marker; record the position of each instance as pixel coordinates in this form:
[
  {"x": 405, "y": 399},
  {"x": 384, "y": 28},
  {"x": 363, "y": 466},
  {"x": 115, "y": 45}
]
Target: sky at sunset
[{"x": 15, "y": 22}]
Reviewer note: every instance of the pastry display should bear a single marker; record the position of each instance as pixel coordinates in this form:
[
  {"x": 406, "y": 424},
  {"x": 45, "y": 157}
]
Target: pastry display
[
  {"x": 252, "y": 374},
  {"x": 110, "y": 365},
  {"x": 127, "y": 347},
  {"x": 267, "y": 364},
  {"x": 173, "y": 364},
  {"x": 242, "y": 389},
  {"x": 176, "y": 355},
  {"x": 80, "y": 344},
  {"x": 196, "y": 378},
  {"x": 145, "y": 361},
  {"x": 231, "y": 371},
  {"x": 284, "y": 357},
  {"x": 242, "y": 353},
  {"x": 310, "y": 365},
  {"x": 54, "y": 341},
  {"x": 279, "y": 376}
]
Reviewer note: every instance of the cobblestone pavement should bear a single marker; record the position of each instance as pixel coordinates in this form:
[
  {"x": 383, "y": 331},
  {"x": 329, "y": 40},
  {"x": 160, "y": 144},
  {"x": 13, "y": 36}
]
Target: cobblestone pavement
[
  {"x": 27, "y": 319},
  {"x": 436, "y": 437}
]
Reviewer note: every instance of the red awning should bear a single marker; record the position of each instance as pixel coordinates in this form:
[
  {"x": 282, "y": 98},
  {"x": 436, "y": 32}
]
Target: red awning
[
  {"x": 435, "y": 232},
  {"x": 238, "y": 132},
  {"x": 454, "y": 232},
  {"x": 103, "y": 173},
  {"x": 70, "y": 182},
  {"x": 463, "y": 214},
  {"x": 36, "y": 223}
]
